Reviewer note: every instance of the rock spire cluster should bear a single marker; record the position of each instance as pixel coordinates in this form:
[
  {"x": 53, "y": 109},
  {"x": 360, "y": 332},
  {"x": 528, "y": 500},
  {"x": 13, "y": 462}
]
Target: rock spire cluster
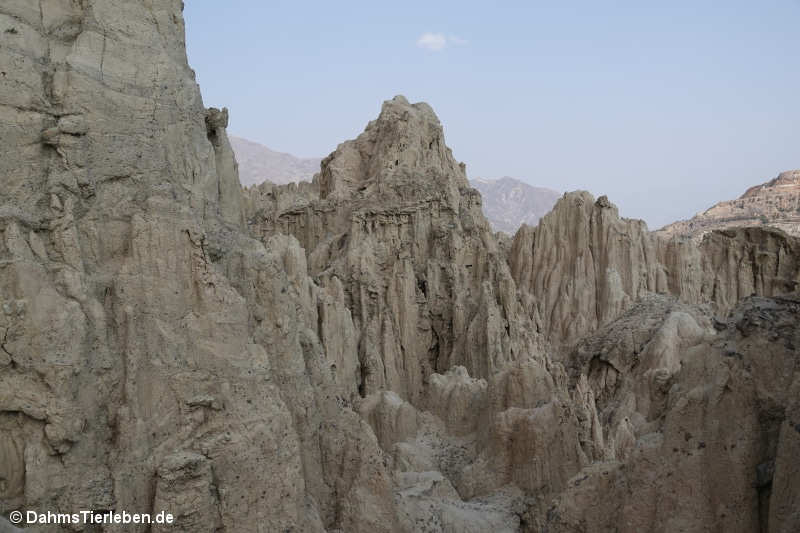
[{"x": 358, "y": 353}]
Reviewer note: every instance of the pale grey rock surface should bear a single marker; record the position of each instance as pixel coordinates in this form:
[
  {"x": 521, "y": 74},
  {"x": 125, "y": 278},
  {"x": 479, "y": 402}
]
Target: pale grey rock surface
[
  {"x": 356, "y": 353},
  {"x": 710, "y": 447},
  {"x": 391, "y": 215},
  {"x": 507, "y": 203},
  {"x": 153, "y": 353},
  {"x": 584, "y": 265}
]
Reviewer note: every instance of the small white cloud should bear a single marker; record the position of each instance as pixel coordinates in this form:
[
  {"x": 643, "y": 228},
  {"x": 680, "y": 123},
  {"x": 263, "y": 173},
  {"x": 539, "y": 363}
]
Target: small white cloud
[
  {"x": 432, "y": 41},
  {"x": 436, "y": 42}
]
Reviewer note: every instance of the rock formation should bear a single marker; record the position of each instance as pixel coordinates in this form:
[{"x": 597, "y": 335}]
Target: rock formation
[
  {"x": 775, "y": 203},
  {"x": 357, "y": 353},
  {"x": 391, "y": 218},
  {"x": 509, "y": 203},
  {"x": 154, "y": 355},
  {"x": 697, "y": 419},
  {"x": 583, "y": 266}
]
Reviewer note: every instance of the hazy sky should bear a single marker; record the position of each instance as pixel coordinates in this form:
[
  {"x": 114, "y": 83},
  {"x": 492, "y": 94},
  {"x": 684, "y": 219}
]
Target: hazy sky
[{"x": 667, "y": 110}]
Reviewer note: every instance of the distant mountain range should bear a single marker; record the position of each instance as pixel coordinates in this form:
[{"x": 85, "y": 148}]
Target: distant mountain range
[
  {"x": 775, "y": 203},
  {"x": 258, "y": 164},
  {"x": 507, "y": 202}
]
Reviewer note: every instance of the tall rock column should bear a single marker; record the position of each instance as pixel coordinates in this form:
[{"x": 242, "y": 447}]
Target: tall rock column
[{"x": 154, "y": 356}]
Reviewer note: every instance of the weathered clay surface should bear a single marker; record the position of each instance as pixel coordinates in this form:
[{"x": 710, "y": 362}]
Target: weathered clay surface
[
  {"x": 583, "y": 266},
  {"x": 153, "y": 355},
  {"x": 704, "y": 412},
  {"x": 358, "y": 353},
  {"x": 392, "y": 218},
  {"x": 508, "y": 203}
]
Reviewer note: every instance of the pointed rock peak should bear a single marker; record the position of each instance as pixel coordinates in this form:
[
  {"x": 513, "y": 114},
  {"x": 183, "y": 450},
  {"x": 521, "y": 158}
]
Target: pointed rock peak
[
  {"x": 575, "y": 199},
  {"x": 577, "y": 207},
  {"x": 401, "y": 153},
  {"x": 585, "y": 200},
  {"x": 788, "y": 181},
  {"x": 399, "y": 104},
  {"x": 605, "y": 203}
]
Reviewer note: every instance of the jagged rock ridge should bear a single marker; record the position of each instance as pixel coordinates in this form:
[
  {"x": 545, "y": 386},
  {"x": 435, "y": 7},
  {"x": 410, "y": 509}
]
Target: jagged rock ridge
[
  {"x": 775, "y": 203},
  {"x": 356, "y": 353},
  {"x": 392, "y": 216},
  {"x": 507, "y": 203},
  {"x": 583, "y": 266}
]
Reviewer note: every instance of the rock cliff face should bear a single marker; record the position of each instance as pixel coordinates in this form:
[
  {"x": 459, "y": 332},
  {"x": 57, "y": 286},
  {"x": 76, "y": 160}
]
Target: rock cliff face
[
  {"x": 775, "y": 203},
  {"x": 356, "y": 353},
  {"x": 697, "y": 421},
  {"x": 154, "y": 355},
  {"x": 583, "y": 266},
  {"x": 391, "y": 217}
]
